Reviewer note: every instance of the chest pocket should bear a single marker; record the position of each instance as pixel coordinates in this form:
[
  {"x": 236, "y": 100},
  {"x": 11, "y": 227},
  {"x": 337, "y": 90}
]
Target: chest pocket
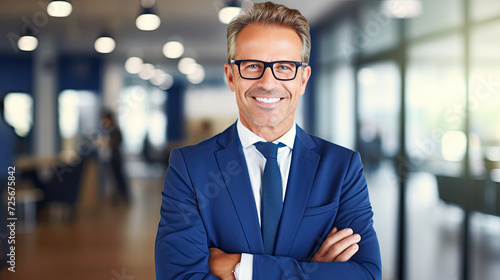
[
  {"x": 314, "y": 226},
  {"x": 313, "y": 211}
]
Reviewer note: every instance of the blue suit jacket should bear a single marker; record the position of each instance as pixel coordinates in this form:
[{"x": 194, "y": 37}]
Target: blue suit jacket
[{"x": 208, "y": 202}]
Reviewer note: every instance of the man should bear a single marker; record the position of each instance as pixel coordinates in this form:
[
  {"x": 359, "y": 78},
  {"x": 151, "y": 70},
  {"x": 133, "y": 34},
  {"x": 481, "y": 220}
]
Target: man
[
  {"x": 113, "y": 140},
  {"x": 232, "y": 209}
]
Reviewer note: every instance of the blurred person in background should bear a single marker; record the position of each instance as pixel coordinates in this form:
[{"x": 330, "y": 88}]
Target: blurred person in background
[
  {"x": 264, "y": 199},
  {"x": 109, "y": 150},
  {"x": 7, "y": 157}
]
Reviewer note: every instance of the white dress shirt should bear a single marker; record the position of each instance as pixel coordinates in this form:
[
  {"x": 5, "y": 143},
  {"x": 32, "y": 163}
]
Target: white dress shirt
[{"x": 255, "y": 164}]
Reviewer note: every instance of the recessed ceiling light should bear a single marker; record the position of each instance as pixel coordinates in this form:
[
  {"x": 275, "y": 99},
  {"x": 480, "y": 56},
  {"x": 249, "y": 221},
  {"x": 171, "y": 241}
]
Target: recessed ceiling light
[
  {"x": 148, "y": 20},
  {"x": 59, "y": 8},
  {"x": 173, "y": 49},
  {"x": 104, "y": 44}
]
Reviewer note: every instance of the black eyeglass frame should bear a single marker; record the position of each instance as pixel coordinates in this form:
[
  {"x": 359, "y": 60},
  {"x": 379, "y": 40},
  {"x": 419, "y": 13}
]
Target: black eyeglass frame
[{"x": 270, "y": 65}]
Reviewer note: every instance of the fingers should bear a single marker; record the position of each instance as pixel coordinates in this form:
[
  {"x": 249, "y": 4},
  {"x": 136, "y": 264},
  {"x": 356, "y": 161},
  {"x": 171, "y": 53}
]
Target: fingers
[
  {"x": 325, "y": 247},
  {"x": 332, "y": 232},
  {"x": 333, "y": 238},
  {"x": 347, "y": 254},
  {"x": 342, "y": 246},
  {"x": 338, "y": 246}
]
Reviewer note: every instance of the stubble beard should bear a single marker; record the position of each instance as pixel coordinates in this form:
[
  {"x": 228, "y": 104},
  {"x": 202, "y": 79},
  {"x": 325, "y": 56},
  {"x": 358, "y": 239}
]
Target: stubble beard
[{"x": 264, "y": 93}]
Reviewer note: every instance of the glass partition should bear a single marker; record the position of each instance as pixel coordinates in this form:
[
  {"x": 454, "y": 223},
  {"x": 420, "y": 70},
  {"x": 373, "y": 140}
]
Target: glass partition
[
  {"x": 78, "y": 119},
  {"x": 379, "y": 112},
  {"x": 484, "y": 9},
  {"x": 484, "y": 99},
  {"x": 436, "y": 16},
  {"x": 435, "y": 86}
]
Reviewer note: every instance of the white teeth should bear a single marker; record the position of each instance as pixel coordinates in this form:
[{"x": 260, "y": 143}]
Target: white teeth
[{"x": 267, "y": 100}]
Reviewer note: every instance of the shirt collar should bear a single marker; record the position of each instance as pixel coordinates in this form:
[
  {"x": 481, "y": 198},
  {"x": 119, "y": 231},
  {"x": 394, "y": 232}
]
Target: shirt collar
[{"x": 248, "y": 138}]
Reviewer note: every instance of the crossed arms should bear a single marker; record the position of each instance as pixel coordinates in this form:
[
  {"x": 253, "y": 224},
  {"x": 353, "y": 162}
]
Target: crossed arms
[
  {"x": 183, "y": 249},
  {"x": 339, "y": 246}
]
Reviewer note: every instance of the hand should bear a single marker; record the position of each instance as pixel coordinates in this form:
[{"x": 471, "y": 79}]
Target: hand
[
  {"x": 221, "y": 265},
  {"x": 339, "y": 246}
]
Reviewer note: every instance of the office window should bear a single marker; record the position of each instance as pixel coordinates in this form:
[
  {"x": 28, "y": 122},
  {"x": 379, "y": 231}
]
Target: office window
[
  {"x": 379, "y": 105},
  {"x": 436, "y": 105},
  {"x": 343, "y": 120},
  {"x": 377, "y": 31},
  {"x": 334, "y": 80},
  {"x": 344, "y": 47},
  {"x": 142, "y": 118},
  {"x": 323, "y": 100},
  {"x": 436, "y": 16},
  {"x": 132, "y": 112},
  {"x": 484, "y": 99},
  {"x": 79, "y": 113},
  {"x": 326, "y": 50},
  {"x": 484, "y": 9},
  {"x": 19, "y": 112},
  {"x": 379, "y": 111},
  {"x": 157, "y": 127},
  {"x": 335, "y": 105},
  {"x": 68, "y": 113},
  {"x": 336, "y": 43}
]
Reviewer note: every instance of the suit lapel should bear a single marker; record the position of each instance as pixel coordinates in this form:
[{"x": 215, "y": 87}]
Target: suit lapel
[
  {"x": 301, "y": 177},
  {"x": 238, "y": 185}
]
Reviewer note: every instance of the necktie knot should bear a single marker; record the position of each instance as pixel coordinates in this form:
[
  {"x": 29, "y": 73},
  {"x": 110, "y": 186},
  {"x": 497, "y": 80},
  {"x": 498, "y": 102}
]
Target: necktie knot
[{"x": 268, "y": 149}]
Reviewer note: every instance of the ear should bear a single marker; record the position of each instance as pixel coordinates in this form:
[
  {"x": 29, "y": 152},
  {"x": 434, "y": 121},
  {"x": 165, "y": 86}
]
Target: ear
[
  {"x": 228, "y": 70},
  {"x": 306, "y": 73}
]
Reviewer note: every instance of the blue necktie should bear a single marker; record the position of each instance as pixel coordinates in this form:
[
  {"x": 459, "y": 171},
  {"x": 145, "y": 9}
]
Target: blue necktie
[{"x": 272, "y": 195}]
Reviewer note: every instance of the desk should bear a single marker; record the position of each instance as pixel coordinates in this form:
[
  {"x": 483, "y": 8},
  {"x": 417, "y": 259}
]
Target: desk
[
  {"x": 32, "y": 163},
  {"x": 471, "y": 194},
  {"x": 61, "y": 183}
]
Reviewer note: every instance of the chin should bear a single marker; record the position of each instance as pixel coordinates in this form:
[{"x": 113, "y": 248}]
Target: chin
[{"x": 266, "y": 123}]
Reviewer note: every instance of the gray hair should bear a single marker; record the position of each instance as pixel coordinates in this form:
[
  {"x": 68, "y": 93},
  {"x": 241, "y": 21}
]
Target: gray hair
[{"x": 269, "y": 14}]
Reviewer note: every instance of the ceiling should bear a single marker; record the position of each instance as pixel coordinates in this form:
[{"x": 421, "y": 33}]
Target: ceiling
[{"x": 193, "y": 22}]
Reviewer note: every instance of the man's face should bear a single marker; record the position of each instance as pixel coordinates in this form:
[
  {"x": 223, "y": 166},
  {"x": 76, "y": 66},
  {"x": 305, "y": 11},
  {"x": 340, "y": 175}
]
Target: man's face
[{"x": 267, "y": 101}]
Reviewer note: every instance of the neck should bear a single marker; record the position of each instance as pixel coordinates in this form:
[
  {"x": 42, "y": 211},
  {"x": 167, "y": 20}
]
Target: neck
[{"x": 269, "y": 133}]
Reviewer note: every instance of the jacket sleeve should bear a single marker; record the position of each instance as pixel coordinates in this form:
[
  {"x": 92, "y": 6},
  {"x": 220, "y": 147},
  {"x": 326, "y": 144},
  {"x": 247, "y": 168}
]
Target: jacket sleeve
[
  {"x": 181, "y": 250},
  {"x": 354, "y": 212}
]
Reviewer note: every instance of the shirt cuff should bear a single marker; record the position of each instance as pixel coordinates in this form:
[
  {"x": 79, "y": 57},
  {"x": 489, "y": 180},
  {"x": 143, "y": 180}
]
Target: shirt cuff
[{"x": 245, "y": 269}]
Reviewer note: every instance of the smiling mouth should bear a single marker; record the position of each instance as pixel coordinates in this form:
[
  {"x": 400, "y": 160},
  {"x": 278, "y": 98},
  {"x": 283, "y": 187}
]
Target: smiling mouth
[{"x": 267, "y": 100}]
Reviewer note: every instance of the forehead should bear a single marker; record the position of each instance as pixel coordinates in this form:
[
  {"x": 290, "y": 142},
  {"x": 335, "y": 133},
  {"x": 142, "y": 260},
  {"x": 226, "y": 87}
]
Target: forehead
[{"x": 266, "y": 42}]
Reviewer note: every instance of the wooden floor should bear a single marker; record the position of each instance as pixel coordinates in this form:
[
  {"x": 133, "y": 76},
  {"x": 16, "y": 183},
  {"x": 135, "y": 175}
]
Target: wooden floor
[{"x": 103, "y": 241}]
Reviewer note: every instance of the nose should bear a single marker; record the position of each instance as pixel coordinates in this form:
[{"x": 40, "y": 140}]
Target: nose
[{"x": 267, "y": 79}]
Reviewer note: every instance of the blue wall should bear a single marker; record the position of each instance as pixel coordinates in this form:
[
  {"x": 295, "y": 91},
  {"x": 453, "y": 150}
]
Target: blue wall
[
  {"x": 16, "y": 73},
  {"x": 80, "y": 73},
  {"x": 175, "y": 112}
]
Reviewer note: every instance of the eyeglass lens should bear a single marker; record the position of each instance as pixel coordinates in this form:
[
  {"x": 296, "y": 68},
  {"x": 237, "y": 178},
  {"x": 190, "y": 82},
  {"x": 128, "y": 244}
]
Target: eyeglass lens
[{"x": 254, "y": 69}]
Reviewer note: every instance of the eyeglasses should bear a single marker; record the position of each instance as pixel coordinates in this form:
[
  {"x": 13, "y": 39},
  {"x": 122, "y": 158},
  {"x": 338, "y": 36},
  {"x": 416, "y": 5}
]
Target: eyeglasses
[{"x": 254, "y": 69}]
